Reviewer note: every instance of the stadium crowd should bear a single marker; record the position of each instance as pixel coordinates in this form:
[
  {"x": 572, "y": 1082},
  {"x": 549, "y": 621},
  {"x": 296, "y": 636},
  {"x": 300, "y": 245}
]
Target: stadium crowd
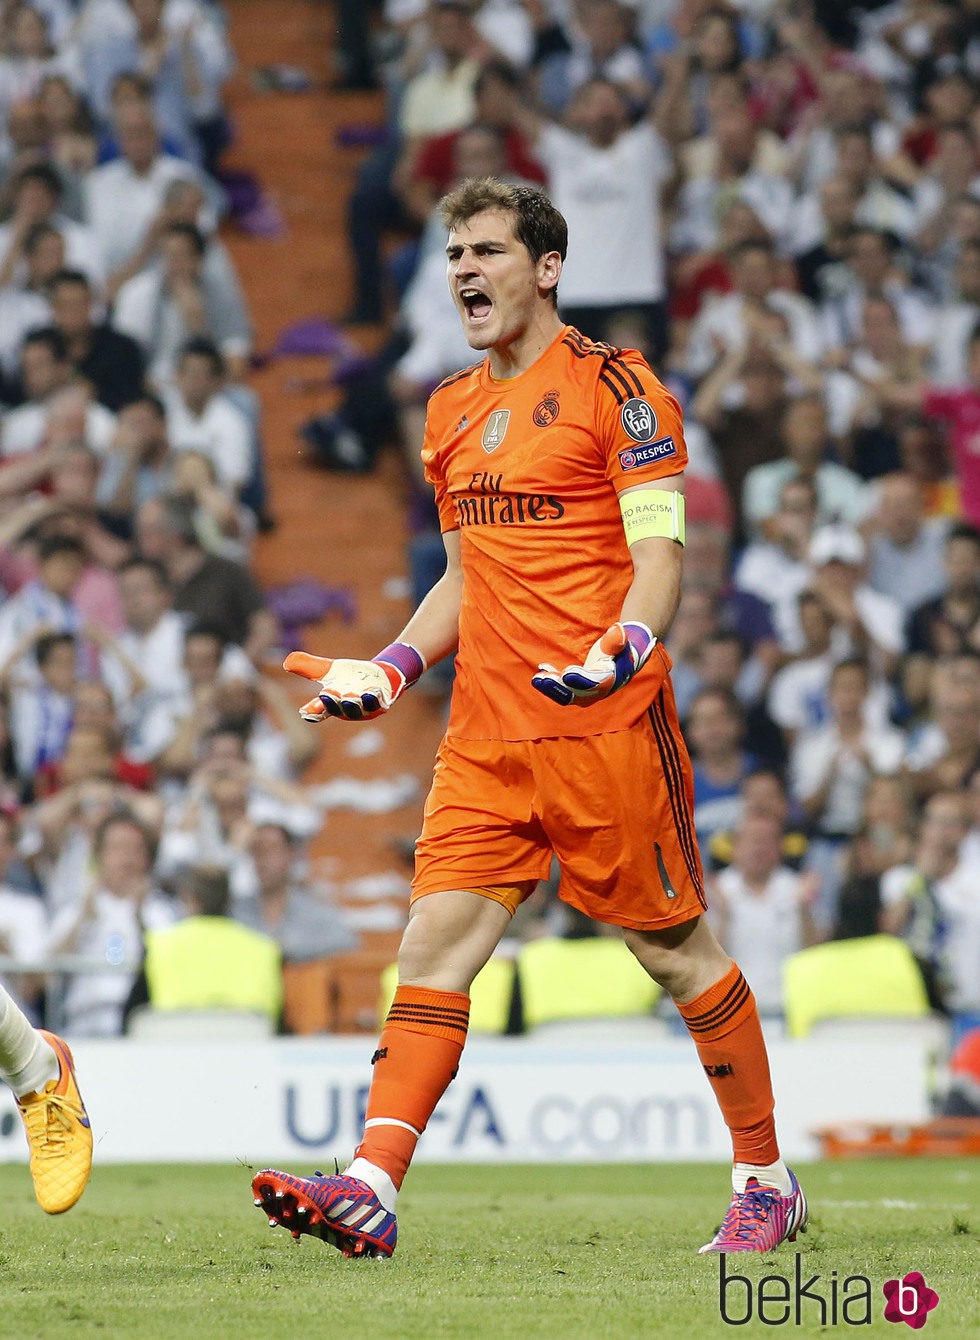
[
  {"x": 150, "y": 769},
  {"x": 778, "y": 202}
]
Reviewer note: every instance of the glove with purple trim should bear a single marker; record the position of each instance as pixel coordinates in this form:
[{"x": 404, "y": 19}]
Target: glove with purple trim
[
  {"x": 613, "y": 661},
  {"x": 356, "y": 690}
]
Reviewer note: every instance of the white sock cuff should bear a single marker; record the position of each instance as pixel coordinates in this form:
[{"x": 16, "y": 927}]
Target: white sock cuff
[
  {"x": 767, "y": 1174},
  {"x": 377, "y": 1179}
]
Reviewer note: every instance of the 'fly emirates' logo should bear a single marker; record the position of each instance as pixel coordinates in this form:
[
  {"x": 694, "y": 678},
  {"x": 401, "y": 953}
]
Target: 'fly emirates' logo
[{"x": 485, "y": 504}]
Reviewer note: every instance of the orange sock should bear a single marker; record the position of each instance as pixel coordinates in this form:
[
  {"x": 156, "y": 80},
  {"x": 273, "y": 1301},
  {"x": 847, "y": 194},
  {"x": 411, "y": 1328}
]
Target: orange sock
[
  {"x": 724, "y": 1023},
  {"x": 417, "y": 1056}
]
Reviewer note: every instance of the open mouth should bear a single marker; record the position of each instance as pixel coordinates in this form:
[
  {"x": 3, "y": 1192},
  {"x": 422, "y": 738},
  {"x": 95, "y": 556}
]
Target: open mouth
[{"x": 478, "y": 306}]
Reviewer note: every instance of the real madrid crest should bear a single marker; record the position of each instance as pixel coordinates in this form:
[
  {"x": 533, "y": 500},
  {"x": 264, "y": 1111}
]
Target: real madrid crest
[{"x": 546, "y": 410}]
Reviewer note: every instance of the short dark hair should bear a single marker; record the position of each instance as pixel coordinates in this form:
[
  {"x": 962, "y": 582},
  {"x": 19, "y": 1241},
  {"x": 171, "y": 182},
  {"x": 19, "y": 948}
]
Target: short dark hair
[
  {"x": 963, "y": 531},
  {"x": 199, "y": 346},
  {"x": 126, "y": 816},
  {"x": 152, "y": 565},
  {"x": 68, "y": 276},
  {"x": 851, "y": 663},
  {"x": 52, "y": 339},
  {"x": 204, "y": 629},
  {"x": 538, "y": 226},
  {"x": 46, "y": 646},
  {"x": 210, "y": 888},
  {"x": 53, "y": 545},
  {"x": 42, "y": 173}
]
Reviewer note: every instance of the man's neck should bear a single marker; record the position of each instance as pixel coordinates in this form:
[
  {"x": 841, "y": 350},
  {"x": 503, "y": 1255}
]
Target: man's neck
[{"x": 509, "y": 361}]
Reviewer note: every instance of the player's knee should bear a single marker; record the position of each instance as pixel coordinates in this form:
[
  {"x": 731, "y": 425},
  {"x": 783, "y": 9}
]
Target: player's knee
[{"x": 672, "y": 957}]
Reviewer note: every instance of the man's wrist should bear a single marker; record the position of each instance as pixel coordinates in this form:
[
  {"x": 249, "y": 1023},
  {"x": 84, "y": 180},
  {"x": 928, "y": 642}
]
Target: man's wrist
[{"x": 407, "y": 660}]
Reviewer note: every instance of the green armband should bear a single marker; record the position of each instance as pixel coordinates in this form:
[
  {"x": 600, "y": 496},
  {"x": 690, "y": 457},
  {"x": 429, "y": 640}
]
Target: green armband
[{"x": 649, "y": 512}]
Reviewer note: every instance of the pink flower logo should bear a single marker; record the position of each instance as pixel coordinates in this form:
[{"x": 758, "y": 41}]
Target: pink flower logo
[{"x": 909, "y": 1300}]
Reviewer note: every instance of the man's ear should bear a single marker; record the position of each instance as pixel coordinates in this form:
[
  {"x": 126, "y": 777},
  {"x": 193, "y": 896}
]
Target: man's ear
[{"x": 549, "y": 271}]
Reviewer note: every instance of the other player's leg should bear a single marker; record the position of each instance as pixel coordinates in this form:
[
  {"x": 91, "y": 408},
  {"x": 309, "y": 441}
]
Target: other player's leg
[
  {"x": 449, "y": 938},
  {"x": 717, "y": 1004},
  {"x": 38, "y": 1067}
]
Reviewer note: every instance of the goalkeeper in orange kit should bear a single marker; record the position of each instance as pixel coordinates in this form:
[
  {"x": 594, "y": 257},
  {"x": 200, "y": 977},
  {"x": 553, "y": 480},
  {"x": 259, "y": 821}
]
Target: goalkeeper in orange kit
[{"x": 557, "y": 465}]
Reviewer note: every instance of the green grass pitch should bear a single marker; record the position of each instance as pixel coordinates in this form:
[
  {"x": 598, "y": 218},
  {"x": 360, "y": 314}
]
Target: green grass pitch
[{"x": 559, "y": 1253}]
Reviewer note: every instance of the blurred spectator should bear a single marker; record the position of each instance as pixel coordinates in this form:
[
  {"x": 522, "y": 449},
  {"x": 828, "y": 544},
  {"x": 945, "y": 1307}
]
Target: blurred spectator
[
  {"x": 208, "y": 961},
  {"x": 840, "y": 492},
  {"x": 822, "y": 253},
  {"x": 776, "y": 568},
  {"x": 924, "y": 454},
  {"x": 124, "y": 199},
  {"x": 111, "y": 361},
  {"x": 741, "y": 403},
  {"x": 438, "y": 98},
  {"x": 171, "y": 725},
  {"x": 25, "y": 306},
  {"x": 951, "y": 621},
  {"x": 723, "y": 664},
  {"x": 185, "y": 68},
  {"x": 715, "y": 727},
  {"x": 833, "y": 764},
  {"x": 119, "y": 903},
  {"x": 905, "y": 551},
  {"x": 48, "y": 378},
  {"x": 200, "y": 417},
  {"x": 758, "y": 312},
  {"x": 46, "y": 601},
  {"x": 867, "y": 623},
  {"x": 29, "y": 56},
  {"x": 797, "y": 698},
  {"x": 41, "y": 708},
  {"x": 933, "y": 906},
  {"x": 601, "y": 45},
  {"x": 138, "y": 466},
  {"x": 164, "y": 306},
  {"x": 421, "y": 181},
  {"x": 215, "y": 822},
  {"x": 763, "y": 794},
  {"x": 863, "y": 397},
  {"x": 956, "y": 318},
  {"x": 305, "y": 926},
  {"x": 871, "y": 272},
  {"x": 947, "y": 752},
  {"x": 959, "y": 409},
  {"x": 35, "y": 196},
  {"x": 605, "y": 175},
  {"x": 204, "y": 585},
  {"x": 761, "y": 908}
]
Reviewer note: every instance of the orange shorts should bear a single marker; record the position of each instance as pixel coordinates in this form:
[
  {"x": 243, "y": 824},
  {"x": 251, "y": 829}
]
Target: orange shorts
[{"x": 616, "y": 810}]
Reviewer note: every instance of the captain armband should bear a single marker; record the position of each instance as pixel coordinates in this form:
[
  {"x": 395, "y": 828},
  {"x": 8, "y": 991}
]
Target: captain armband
[{"x": 652, "y": 512}]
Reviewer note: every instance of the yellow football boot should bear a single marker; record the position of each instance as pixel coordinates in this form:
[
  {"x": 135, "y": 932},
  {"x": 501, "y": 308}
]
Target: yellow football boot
[{"x": 59, "y": 1135}]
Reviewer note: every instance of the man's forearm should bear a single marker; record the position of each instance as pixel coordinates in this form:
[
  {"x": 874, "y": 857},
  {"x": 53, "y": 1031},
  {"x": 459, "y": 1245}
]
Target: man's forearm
[
  {"x": 433, "y": 630},
  {"x": 655, "y": 592}
]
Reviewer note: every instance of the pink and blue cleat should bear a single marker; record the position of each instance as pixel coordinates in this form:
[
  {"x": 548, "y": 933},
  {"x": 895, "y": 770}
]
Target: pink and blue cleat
[
  {"x": 342, "y": 1211},
  {"x": 760, "y": 1218}
]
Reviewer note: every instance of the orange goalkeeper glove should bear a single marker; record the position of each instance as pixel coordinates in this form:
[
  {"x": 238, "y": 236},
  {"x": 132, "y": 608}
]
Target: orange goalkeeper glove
[{"x": 357, "y": 690}]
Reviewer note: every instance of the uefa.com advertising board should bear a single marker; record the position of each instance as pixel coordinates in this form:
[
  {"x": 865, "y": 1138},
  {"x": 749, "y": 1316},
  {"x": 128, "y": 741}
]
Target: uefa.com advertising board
[{"x": 513, "y": 1100}]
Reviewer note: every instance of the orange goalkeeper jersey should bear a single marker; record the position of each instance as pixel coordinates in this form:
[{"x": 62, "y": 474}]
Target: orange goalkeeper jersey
[{"x": 528, "y": 470}]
